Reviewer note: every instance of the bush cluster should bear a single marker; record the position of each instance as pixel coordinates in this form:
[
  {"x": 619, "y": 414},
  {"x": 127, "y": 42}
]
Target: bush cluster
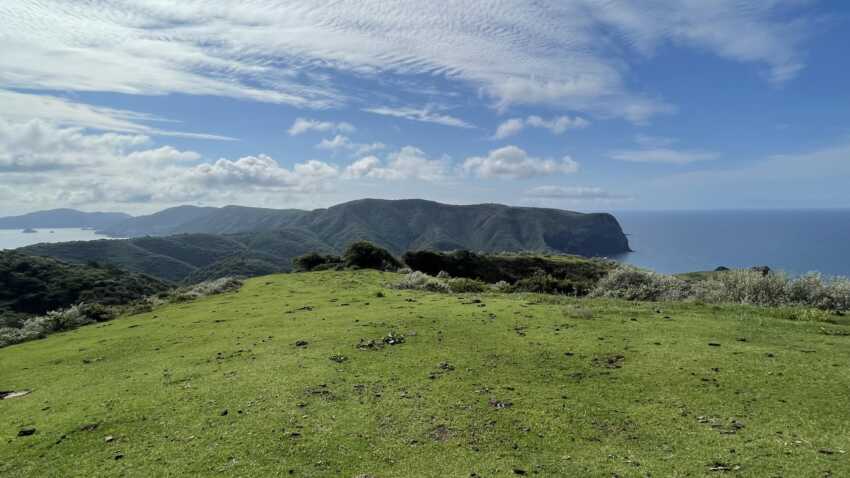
[
  {"x": 365, "y": 255},
  {"x": 88, "y": 313},
  {"x": 418, "y": 280},
  {"x": 212, "y": 287},
  {"x": 315, "y": 262},
  {"x": 749, "y": 287},
  {"x": 56, "y": 321}
]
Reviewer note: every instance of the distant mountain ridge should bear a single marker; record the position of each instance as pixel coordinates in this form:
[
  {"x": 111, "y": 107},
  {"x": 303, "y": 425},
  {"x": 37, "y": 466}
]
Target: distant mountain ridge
[
  {"x": 63, "y": 218},
  {"x": 213, "y": 242},
  {"x": 400, "y": 225}
]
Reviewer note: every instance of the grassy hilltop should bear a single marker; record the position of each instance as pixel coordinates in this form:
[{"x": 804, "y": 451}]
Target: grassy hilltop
[{"x": 304, "y": 375}]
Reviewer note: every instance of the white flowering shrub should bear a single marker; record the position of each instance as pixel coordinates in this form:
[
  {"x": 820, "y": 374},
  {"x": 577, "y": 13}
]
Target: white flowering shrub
[
  {"x": 210, "y": 287},
  {"x": 630, "y": 283}
]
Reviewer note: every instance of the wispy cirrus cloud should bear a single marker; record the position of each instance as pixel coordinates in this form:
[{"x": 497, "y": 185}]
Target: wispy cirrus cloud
[
  {"x": 17, "y": 106},
  {"x": 572, "y": 192},
  {"x": 549, "y": 52},
  {"x": 424, "y": 115},
  {"x": 663, "y": 155}
]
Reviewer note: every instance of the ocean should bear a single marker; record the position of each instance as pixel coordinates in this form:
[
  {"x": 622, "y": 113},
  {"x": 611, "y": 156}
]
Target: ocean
[
  {"x": 14, "y": 238},
  {"x": 796, "y": 241}
]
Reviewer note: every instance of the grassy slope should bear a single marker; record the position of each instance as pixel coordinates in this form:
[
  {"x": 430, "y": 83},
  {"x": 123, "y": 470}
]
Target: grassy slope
[{"x": 158, "y": 383}]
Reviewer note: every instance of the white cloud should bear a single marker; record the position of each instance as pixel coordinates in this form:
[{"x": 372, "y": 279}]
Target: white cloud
[
  {"x": 343, "y": 143},
  {"x": 557, "y": 125},
  {"x": 262, "y": 171},
  {"x": 571, "y": 54},
  {"x": 571, "y": 192},
  {"x": 337, "y": 143},
  {"x": 15, "y": 106},
  {"x": 305, "y": 125},
  {"x": 407, "y": 163},
  {"x": 423, "y": 115},
  {"x": 512, "y": 162},
  {"x": 663, "y": 155}
]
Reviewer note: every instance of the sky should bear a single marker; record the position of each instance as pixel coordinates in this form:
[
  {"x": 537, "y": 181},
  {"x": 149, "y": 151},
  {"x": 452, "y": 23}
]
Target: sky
[{"x": 590, "y": 105}]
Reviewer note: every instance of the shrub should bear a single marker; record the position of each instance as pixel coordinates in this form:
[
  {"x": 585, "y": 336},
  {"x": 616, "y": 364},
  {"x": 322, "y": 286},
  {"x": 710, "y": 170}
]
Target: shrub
[
  {"x": 315, "y": 261},
  {"x": 543, "y": 283},
  {"x": 212, "y": 287},
  {"x": 750, "y": 287},
  {"x": 463, "y": 285},
  {"x": 630, "y": 283},
  {"x": 56, "y": 321},
  {"x": 365, "y": 255},
  {"x": 421, "y": 281},
  {"x": 503, "y": 286}
]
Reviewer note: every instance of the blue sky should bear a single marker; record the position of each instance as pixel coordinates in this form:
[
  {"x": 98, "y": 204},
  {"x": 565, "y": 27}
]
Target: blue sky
[{"x": 584, "y": 104}]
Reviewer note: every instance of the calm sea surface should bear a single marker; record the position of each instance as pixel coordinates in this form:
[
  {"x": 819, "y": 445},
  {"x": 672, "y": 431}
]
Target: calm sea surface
[
  {"x": 793, "y": 241},
  {"x": 14, "y": 238}
]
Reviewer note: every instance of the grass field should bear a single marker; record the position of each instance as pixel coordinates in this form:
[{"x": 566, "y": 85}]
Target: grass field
[{"x": 484, "y": 385}]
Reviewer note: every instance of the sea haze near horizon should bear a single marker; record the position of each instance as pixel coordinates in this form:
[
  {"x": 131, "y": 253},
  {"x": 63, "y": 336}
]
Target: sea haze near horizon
[
  {"x": 793, "y": 241},
  {"x": 14, "y": 238}
]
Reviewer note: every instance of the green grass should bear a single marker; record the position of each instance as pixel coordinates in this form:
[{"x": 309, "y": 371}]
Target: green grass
[{"x": 158, "y": 384}]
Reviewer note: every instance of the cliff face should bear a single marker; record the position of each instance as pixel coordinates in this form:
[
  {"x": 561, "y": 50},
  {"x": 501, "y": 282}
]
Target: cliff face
[{"x": 401, "y": 225}]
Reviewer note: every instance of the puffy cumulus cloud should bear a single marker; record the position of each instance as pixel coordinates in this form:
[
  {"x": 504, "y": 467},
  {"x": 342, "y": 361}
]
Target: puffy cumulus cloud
[
  {"x": 407, "y": 163},
  {"x": 262, "y": 171},
  {"x": 44, "y": 165},
  {"x": 305, "y": 125},
  {"x": 572, "y": 192},
  {"x": 565, "y": 53},
  {"x": 343, "y": 143},
  {"x": 663, "y": 155},
  {"x": 37, "y": 145},
  {"x": 163, "y": 154},
  {"x": 557, "y": 125},
  {"x": 512, "y": 162}
]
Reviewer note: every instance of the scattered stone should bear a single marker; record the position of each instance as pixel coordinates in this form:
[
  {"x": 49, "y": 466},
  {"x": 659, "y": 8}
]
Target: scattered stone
[
  {"x": 499, "y": 404},
  {"x": 723, "y": 467},
  {"x": 569, "y": 354},
  {"x": 89, "y": 427},
  {"x": 441, "y": 433},
  {"x": 826, "y": 451},
  {"x": 393, "y": 339},
  {"x": 713, "y": 344},
  {"x": 610, "y": 361},
  {"x": 301, "y": 343},
  {"x": 109, "y": 439},
  {"x": 338, "y": 358},
  {"x": 118, "y": 456},
  {"x": 26, "y": 431},
  {"x": 11, "y": 394},
  {"x": 224, "y": 413},
  {"x": 519, "y": 471}
]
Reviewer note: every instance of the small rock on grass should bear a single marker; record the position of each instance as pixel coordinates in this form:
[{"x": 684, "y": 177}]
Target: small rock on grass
[{"x": 26, "y": 431}]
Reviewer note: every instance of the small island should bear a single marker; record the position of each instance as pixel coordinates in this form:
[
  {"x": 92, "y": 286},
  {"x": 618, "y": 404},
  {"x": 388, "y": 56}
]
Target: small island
[{"x": 29, "y": 230}]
